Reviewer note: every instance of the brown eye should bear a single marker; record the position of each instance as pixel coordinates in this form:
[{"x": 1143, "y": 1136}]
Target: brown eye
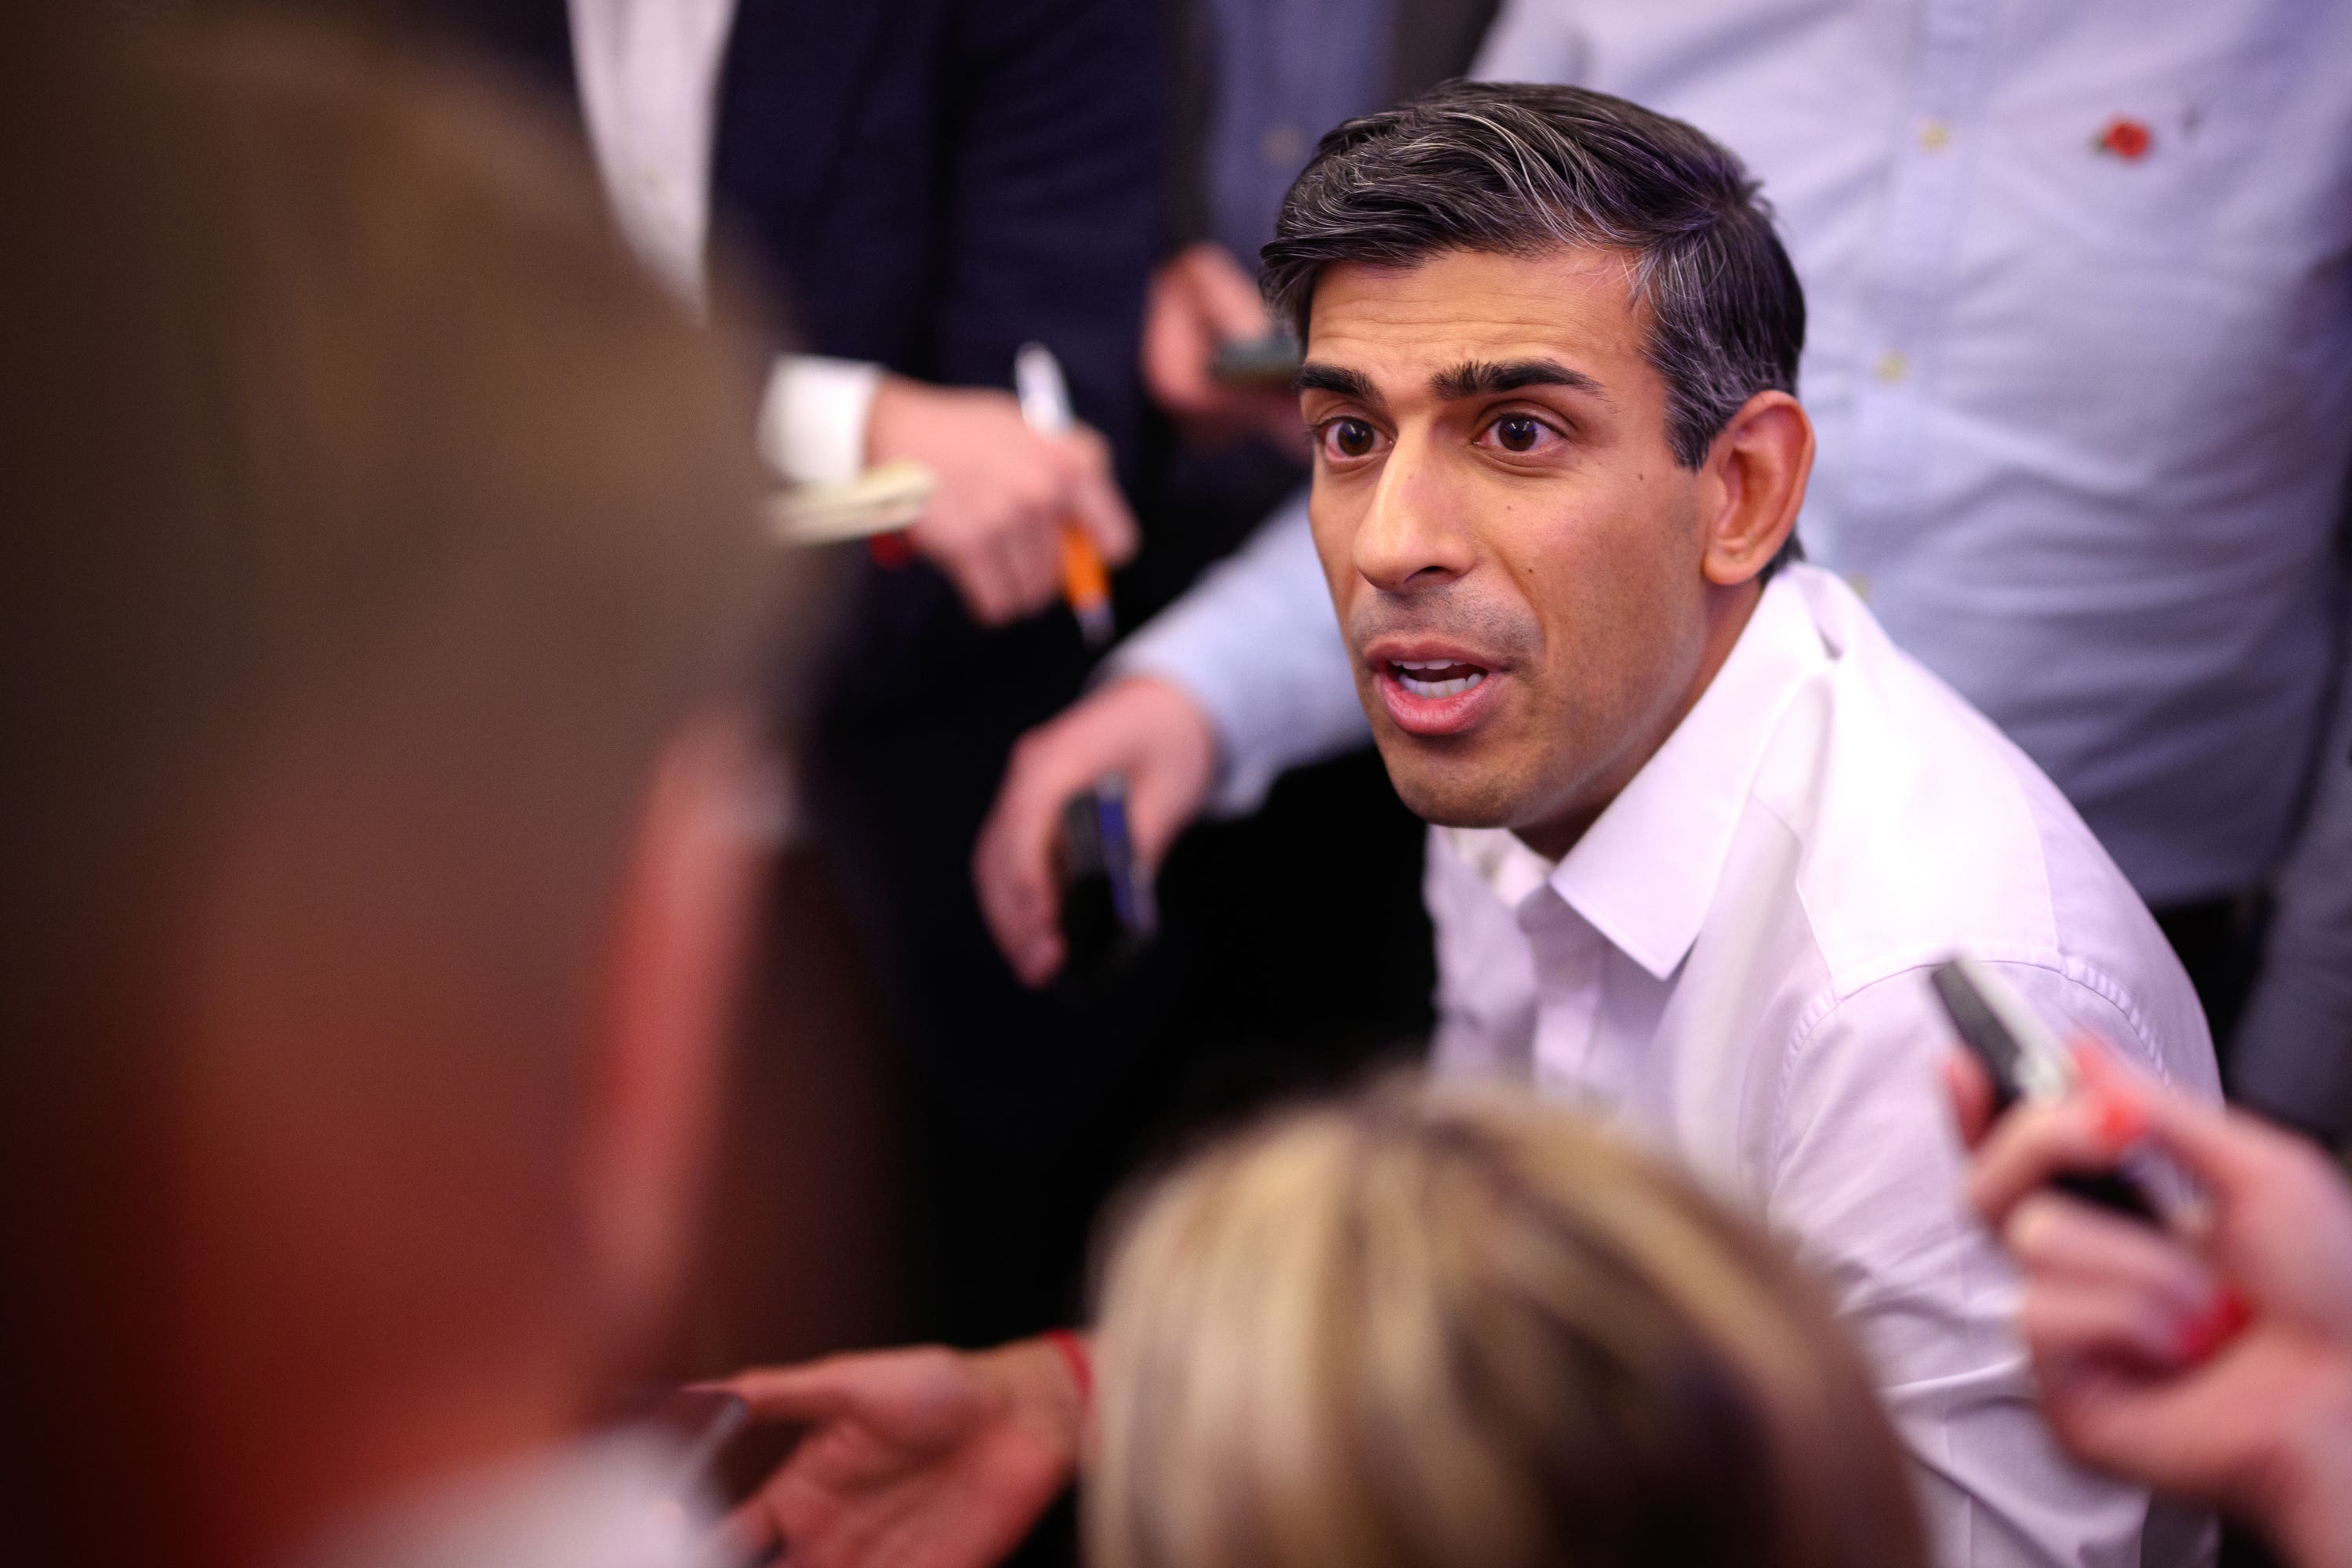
[
  {"x": 1351, "y": 438},
  {"x": 1516, "y": 433}
]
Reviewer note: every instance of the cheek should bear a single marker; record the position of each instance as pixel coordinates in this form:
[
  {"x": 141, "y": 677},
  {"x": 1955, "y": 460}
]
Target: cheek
[
  {"x": 1333, "y": 525},
  {"x": 1609, "y": 589}
]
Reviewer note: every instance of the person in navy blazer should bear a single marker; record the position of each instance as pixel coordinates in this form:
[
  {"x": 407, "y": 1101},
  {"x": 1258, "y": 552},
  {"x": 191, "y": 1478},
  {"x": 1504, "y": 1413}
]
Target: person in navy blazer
[{"x": 927, "y": 184}]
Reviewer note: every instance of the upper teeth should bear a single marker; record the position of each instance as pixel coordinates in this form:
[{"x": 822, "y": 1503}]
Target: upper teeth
[{"x": 1407, "y": 673}]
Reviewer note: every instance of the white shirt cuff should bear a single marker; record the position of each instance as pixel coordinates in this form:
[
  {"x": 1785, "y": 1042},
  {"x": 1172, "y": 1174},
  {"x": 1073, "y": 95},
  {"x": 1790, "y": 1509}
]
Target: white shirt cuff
[{"x": 813, "y": 420}]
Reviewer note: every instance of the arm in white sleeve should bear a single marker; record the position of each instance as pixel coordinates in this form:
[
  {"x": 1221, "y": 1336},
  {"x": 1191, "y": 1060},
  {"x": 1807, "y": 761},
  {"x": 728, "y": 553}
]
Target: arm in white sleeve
[
  {"x": 1866, "y": 1177},
  {"x": 1255, "y": 644},
  {"x": 2293, "y": 1055},
  {"x": 812, "y": 417}
]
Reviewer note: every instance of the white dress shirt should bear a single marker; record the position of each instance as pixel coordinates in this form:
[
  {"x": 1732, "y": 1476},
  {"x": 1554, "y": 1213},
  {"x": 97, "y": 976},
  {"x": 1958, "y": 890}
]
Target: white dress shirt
[
  {"x": 1731, "y": 962},
  {"x": 648, "y": 75},
  {"x": 624, "y": 1500},
  {"x": 2085, "y": 419}
]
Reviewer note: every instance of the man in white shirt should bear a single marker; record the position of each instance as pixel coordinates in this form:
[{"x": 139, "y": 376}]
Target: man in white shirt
[
  {"x": 1702, "y": 827},
  {"x": 2081, "y": 365}
]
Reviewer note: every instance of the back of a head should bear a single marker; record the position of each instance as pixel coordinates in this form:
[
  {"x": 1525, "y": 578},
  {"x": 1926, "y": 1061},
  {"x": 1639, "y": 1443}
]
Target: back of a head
[
  {"x": 371, "y": 520},
  {"x": 1437, "y": 1332}
]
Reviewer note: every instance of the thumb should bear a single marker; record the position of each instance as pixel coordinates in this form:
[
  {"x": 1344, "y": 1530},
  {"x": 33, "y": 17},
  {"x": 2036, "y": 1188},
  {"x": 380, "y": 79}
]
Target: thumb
[{"x": 1095, "y": 504}]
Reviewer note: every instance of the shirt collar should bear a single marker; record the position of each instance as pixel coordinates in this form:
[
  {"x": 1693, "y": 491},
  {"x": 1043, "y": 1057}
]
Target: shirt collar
[{"x": 1644, "y": 873}]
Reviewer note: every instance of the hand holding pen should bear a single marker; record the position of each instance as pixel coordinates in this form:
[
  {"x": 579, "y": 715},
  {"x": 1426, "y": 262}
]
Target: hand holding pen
[
  {"x": 1045, "y": 404},
  {"x": 2211, "y": 1356},
  {"x": 1002, "y": 495}
]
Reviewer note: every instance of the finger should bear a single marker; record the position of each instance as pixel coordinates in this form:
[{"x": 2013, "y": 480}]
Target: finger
[
  {"x": 1013, "y": 865},
  {"x": 1095, "y": 498},
  {"x": 1230, "y": 298},
  {"x": 1969, "y": 1088},
  {"x": 981, "y": 579},
  {"x": 1032, "y": 559},
  {"x": 2034, "y": 1142},
  {"x": 2071, "y": 1324},
  {"x": 2059, "y": 1240},
  {"x": 1177, "y": 346},
  {"x": 2230, "y": 1153},
  {"x": 750, "y": 1534}
]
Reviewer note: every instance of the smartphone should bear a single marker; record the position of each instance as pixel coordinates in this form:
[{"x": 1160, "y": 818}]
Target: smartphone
[
  {"x": 1109, "y": 909},
  {"x": 1267, "y": 362},
  {"x": 2025, "y": 1060}
]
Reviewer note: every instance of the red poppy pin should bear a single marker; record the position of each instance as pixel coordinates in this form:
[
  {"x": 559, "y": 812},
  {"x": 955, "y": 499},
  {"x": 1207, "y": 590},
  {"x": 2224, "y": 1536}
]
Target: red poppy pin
[{"x": 2123, "y": 137}]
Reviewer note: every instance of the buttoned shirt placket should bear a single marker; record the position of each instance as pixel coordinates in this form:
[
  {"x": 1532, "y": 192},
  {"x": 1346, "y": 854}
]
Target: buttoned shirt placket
[{"x": 1929, "y": 174}]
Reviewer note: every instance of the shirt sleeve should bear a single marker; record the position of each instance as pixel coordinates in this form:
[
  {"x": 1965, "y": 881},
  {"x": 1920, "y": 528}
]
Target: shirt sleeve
[
  {"x": 1255, "y": 644},
  {"x": 813, "y": 417},
  {"x": 2293, "y": 1055},
  {"x": 1533, "y": 40},
  {"x": 1866, "y": 1173}
]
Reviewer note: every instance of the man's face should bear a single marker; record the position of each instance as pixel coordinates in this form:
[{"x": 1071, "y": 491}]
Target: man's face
[{"x": 1514, "y": 553}]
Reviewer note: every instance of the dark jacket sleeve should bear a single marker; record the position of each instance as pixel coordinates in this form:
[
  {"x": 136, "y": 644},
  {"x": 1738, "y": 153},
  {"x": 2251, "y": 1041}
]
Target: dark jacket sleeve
[{"x": 1050, "y": 138}]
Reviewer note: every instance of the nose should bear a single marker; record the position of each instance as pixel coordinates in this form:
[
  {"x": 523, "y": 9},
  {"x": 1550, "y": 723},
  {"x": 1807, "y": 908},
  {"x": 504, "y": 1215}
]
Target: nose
[{"x": 1410, "y": 536}]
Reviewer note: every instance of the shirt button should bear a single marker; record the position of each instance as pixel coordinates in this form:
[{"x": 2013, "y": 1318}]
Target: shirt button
[
  {"x": 1891, "y": 366},
  {"x": 1935, "y": 135},
  {"x": 1282, "y": 147}
]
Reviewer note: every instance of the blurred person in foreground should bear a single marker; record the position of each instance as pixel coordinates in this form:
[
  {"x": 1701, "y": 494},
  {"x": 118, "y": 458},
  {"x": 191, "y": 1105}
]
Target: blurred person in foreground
[
  {"x": 2214, "y": 1360},
  {"x": 1458, "y": 1331},
  {"x": 1700, "y": 826},
  {"x": 385, "y": 800}
]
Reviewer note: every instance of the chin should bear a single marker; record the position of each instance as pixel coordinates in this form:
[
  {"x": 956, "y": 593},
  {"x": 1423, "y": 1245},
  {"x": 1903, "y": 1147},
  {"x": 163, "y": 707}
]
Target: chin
[{"x": 1447, "y": 792}]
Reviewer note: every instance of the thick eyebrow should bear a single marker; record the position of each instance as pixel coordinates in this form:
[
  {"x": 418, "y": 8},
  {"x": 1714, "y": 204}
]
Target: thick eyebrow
[
  {"x": 1476, "y": 378},
  {"x": 1354, "y": 384}
]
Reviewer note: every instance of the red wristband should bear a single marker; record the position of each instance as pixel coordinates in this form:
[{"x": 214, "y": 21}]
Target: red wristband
[{"x": 1082, "y": 1366}]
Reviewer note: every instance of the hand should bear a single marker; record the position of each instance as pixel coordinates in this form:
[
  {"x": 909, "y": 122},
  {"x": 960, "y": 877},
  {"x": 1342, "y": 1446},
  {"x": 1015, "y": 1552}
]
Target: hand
[
  {"x": 1146, "y": 730},
  {"x": 2216, "y": 1364},
  {"x": 914, "y": 1458},
  {"x": 1201, "y": 298},
  {"x": 994, "y": 524}
]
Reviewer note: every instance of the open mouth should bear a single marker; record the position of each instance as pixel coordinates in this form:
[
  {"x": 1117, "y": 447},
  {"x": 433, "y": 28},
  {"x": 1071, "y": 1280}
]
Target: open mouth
[
  {"x": 1433, "y": 679},
  {"x": 1440, "y": 693}
]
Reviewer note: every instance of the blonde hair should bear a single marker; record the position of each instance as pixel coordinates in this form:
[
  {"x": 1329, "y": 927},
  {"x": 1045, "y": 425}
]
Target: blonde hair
[{"x": 1420, "y": 1329}]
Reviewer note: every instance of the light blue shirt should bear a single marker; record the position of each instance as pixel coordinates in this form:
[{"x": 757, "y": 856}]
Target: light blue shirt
[
  {"x": 1287, "y": 71},
  {"x": 2084, "y": 417}
]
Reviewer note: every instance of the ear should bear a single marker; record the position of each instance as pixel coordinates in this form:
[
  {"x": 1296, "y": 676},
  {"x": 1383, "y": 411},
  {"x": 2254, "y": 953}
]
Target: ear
[
  {"x": 1756, "y": 473},
  {"x": 682, "y": 937}
]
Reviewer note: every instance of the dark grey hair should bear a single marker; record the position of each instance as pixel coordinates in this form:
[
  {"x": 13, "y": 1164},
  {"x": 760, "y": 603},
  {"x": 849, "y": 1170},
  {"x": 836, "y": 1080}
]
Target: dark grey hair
[{"x": 1518, "y": 169}]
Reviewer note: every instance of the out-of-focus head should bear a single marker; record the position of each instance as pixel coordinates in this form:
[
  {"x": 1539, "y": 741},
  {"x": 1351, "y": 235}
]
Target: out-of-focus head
[
  {"x": 1415, "y": 1332},
  {"x": 379, "y": 605},
  {"x": 1551, "y": 350}
]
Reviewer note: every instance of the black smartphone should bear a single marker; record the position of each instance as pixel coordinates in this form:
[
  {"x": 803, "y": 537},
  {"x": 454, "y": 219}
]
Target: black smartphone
[
  {"x": 1108, "y": 911},
  {"x": 1268, "y": 362},
  {"x": 2025, "y": 1061}
]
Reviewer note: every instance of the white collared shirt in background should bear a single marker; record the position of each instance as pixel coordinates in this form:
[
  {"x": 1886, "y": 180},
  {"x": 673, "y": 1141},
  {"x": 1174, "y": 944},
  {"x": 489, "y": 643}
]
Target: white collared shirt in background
[
  {"x": 648, "y": 75},
  {"x": 1731, "y": 963},
  {"x": 2084, "y": 404}
]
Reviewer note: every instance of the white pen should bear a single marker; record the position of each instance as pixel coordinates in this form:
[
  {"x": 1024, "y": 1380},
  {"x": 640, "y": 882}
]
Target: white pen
[{"x": 1045, "y": 405}]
